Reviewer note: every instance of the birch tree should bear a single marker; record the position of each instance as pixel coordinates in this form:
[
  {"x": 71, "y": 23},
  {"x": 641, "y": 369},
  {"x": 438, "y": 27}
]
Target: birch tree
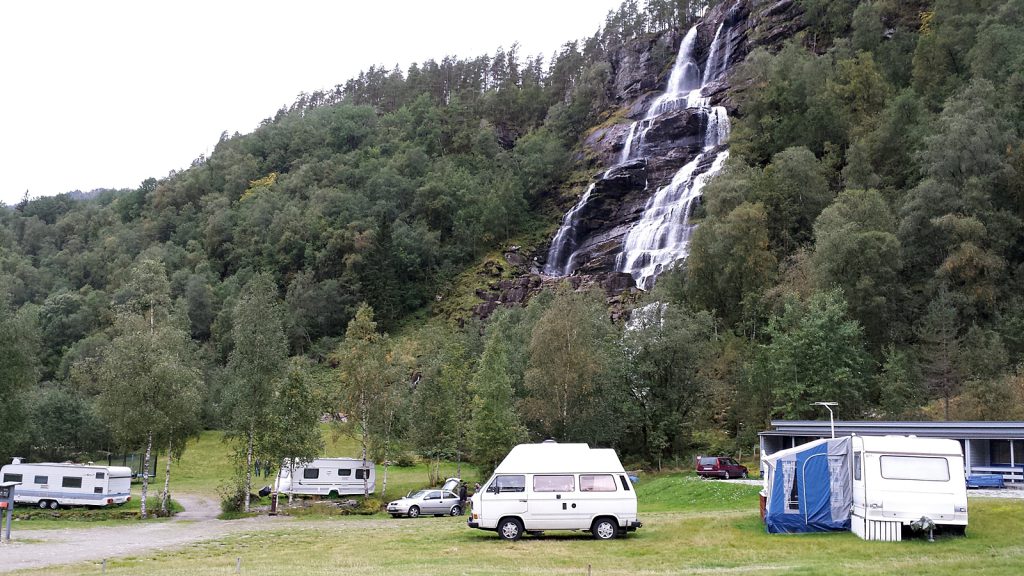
[{"x": 256, "y": 367}]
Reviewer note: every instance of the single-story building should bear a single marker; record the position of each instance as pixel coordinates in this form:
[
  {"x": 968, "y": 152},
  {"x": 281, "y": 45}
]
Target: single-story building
[{"x": 989, "y": 447}]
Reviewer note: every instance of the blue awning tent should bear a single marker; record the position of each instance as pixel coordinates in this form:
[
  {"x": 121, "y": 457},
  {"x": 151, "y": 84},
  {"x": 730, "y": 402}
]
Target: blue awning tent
[{"x": 808, "y": 488}]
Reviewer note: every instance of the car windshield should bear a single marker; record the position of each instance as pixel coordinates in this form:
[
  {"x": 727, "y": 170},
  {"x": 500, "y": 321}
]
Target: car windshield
[
  {"x": 706, "y": 461},
  {"x": 417, "y": 494}
]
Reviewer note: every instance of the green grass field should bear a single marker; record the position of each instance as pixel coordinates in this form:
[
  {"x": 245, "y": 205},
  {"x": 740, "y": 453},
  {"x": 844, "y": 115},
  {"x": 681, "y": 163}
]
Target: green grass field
[{"x": 691, "y": 526}]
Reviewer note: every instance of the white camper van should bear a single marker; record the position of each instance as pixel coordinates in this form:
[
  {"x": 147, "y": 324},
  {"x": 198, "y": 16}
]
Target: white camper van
[
  {"x": 326, "y": 477},
  {"x": 900, "y": 479},
  {"x": 551, "y": 486},
  {"x": 51, "y": 485}
]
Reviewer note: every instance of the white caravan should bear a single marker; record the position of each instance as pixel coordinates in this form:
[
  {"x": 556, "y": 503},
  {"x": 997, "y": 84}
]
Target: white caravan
[
  {"x": 898, "y": 480},
  {"x": 52, "y": 485},
  {"x": 326, "y": 477},
  {"x": 551, "y": 486}
]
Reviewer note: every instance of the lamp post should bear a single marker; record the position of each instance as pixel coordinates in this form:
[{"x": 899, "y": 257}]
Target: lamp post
[{"x": 828, "y": 406}]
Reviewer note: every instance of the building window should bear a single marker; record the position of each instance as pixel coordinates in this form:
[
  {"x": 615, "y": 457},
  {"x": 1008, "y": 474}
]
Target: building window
[
  {"x": 71, "y": 482},
  {"x": 310, "y": 473},
  {"x": 1001, "y": 454}
]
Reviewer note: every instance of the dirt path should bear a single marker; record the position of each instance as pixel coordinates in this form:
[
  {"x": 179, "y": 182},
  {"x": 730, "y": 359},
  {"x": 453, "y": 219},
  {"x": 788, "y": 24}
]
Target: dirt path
[{"x": 42, "y": 548}]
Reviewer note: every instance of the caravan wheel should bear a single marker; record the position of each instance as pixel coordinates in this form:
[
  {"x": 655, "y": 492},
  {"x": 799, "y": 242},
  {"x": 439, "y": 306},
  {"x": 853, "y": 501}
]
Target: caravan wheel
[
  {"x": 43, "y": 504},
  {"x": 54, "y": 505}
]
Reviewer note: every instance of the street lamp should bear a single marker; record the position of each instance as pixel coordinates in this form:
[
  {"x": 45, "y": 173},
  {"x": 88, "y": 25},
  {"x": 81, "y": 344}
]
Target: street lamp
[{"x": 828, "y": 406}]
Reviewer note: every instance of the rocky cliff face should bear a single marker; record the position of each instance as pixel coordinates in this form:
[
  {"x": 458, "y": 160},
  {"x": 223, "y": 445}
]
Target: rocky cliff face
[{"x": 673, "y": 138}]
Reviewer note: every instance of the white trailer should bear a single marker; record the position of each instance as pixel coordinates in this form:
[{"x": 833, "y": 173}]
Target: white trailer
[
  {"x": 52, "y": 485},
  {"x": 326, "y": 477},
  {"x": 551, "y": 486},
  {"x": 897, "y": 480}
]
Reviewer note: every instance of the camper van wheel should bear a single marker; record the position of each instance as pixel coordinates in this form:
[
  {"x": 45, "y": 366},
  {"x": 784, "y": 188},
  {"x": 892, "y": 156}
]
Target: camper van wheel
[
  {"x": 456, "y": 510},
  {"x": 510, "y": 529},
  {"x": 604, "y": 529},
  {"x": 414, "y": 511},
  {"x": 54, "y": 505}
]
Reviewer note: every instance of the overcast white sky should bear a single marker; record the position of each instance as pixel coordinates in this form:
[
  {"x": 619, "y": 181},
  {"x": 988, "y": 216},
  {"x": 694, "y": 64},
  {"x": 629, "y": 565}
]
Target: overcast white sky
[{"x": 104, "y": 94}]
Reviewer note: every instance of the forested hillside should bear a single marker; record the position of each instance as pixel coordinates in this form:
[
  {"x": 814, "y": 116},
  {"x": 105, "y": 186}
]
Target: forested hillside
[{"x": 863, "y": 244}]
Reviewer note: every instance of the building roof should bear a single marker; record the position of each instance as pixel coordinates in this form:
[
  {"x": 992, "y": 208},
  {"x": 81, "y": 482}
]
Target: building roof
[{"x": 959, "y": 430}]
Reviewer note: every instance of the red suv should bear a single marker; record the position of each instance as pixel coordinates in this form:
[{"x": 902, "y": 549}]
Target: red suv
[{"x": 720, "y": 467}]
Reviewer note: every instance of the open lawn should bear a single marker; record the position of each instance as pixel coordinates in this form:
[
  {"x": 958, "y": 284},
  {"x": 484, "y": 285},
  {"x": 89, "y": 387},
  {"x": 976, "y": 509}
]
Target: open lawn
[{"x": 691, "y": 526}]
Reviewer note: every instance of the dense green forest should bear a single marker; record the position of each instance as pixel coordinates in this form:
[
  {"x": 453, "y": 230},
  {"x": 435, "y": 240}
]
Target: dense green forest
[{"x": 863, "y": 245}]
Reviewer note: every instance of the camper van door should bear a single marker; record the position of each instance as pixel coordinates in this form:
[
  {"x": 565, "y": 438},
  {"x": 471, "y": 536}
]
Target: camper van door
[{"x": 506, "y": 494}]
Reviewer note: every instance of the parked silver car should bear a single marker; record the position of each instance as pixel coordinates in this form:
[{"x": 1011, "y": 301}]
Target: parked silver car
[{"x": 436, "y": 502}]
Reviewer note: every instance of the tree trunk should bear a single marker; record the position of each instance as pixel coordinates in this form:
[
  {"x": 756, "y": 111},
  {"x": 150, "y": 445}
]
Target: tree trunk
[
  {"x": 165, "y": 497},
  {"x": 248, "y": 468},
  {"x": 145, "y": 473},
  {"x": 291, "y": 479},
  {"x": 384, "y": 487}
]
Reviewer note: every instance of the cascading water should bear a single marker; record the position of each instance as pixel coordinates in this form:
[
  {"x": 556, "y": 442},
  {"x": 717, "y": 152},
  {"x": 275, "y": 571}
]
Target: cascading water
[
  {"x": 661, "y": 236},
  {"x": 564, "y": 244}
]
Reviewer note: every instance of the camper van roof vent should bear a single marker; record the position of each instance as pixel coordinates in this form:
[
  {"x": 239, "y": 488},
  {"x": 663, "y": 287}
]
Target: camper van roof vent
[{"x": 550, "y": 441}]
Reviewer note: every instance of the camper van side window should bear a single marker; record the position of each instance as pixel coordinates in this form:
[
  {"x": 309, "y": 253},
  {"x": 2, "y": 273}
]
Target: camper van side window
[
  {"x": 100, "y": 475},
  {"x": 310, "y": 473},
  {"x": 344, "y": 471},
  {"x": 563, "y": 483},
  {"x": 856, "y": 466},
  {"x": 362, "y": 473},
  {"x": 41, "y": 480},
  {"x": 625, "y": 485},
  {"x": 597, "y": 483},
  {"x": 12, "y": 477},
  {"x": 510, "y": 483},
  {"x": 71, "y": 482},
  {"x": 915, "y": 468}
]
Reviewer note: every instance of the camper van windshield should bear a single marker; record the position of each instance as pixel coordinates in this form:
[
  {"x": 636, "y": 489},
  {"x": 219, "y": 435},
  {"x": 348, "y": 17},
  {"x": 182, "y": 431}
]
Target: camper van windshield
[
  {"x": 509, "y": 483},
  {"x": 915, "y": 468}
]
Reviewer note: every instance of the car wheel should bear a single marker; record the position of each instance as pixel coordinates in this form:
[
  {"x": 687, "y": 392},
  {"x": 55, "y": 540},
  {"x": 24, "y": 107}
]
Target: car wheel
[
  {"x": 43, "y": 504},
  {"x": 726, "y": 477},
  {"x": 54, "y": 505},
  {"x": 510, "y": 529},
  {"x": 414, "y": 511},
  {"x": 604, "y": 529},
  {"x": 456, "y": 510},
  {"x": 396, "y": 515},
  {"x": 743, "y": 475}
]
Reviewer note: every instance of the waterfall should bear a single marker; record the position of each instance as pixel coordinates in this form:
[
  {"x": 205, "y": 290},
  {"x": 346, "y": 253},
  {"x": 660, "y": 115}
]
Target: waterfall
[
  {"x": 661, "y": 236},
  {"x": 564, "y": 244}
]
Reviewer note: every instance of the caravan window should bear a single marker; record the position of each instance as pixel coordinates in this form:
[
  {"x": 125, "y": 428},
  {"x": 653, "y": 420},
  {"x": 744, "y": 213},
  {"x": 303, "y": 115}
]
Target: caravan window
[
  {"x": 362, "y": 473},
  {"x": 856, "y": 466},
  {"x": 344, "y": 471},
  {"x": 100, "y": 475},
  {"x": 41, "y": 480},
  {"x": 71, "y": 482},
  {"x": 310, "y": 473},
  {"x": 597, "y": 483},
  {"x": 562, "y": 483},
  {"x": 509, "y": 483},
  {"x": 915, "y": 468},
  {"x": 12, "y": 477}
]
